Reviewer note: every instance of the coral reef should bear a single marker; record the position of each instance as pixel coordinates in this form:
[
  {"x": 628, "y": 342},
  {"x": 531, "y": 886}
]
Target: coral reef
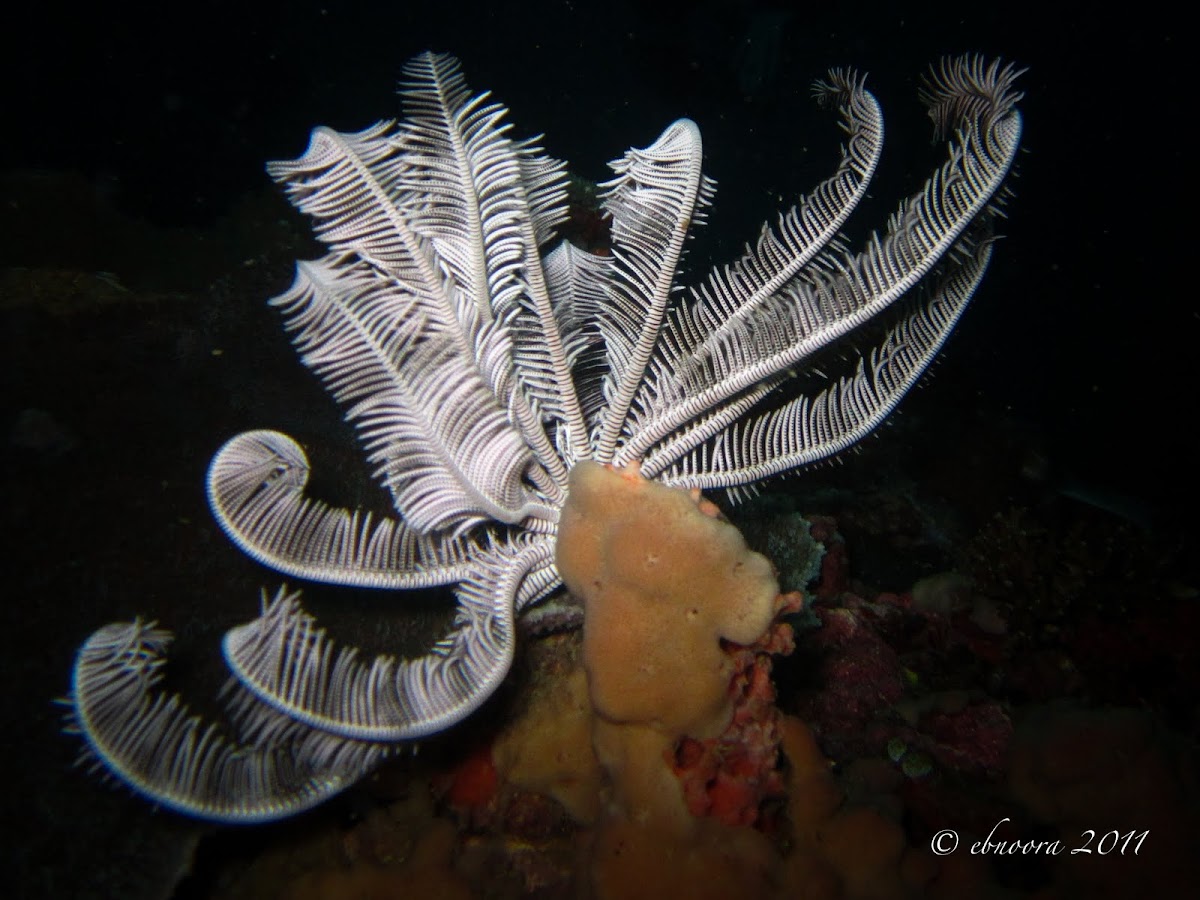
[
  {"x": 650, "y": 755},
  {"x": 733, "y": 776},
  {"x": 686, "y": 730}
]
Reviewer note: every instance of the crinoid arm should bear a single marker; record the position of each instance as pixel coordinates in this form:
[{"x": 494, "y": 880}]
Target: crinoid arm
[
  {"x": 810, "y": 428},
  {"x": 153, "y": 744},
  {"x": 256, "y": 486},
  {"x": 658, "y": 193},
  {"x": 431, "y": 318},
  {"x": 578, "y": 283},
  {"x": 311, "y": 719},
  {"x": 734, "y": 293},
  {"x": 294, "y": 669},
  {"x": 743, "y": 359}
]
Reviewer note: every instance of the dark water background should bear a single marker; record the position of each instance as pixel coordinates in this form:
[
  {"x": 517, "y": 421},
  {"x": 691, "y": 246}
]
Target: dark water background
[{"x": 140, "y": 237}]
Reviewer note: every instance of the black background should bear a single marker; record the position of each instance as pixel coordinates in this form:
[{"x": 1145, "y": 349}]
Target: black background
[{"x": 1084, "y": 332}]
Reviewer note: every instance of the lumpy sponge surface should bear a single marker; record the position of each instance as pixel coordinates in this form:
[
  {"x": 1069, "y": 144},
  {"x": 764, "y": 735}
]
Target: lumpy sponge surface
[{"x": 664, "y": 581}]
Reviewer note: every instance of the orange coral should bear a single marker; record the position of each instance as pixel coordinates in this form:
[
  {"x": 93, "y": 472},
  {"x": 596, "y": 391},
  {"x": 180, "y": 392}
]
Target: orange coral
[{"x": 677, "y": 641}]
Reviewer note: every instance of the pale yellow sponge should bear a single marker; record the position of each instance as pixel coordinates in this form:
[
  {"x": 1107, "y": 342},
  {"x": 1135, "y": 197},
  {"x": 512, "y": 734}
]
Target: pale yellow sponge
[{"x": 664, "y": 581}]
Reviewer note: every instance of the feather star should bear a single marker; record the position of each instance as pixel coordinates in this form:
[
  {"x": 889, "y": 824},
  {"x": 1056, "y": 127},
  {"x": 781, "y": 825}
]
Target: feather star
[{"x": 480, "y": 358}]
